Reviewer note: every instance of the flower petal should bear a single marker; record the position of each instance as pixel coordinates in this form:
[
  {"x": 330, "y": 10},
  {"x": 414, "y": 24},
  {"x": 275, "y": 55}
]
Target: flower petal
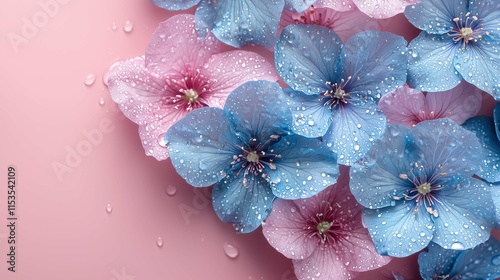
[
  {"x": 383, "y": 8},
  {"x": 496, "y": 118},
  {"x": 495, "y": 196},
  {"x": 375, "y": 63},
  {"x": 353, "y": 130},
  {"x": 375, "y": 181},
  {"x": 228, "y": 70},
  {"x": 489, "y": 12},
  {"x": 298, "y": 5},
  {"x": 398, "y": 230},
  {"x": 340, "y": 6},
  {"x": 243, "y": 22},
  {"x": 436, "y": 261},
  {"x": 479, "y": 65},
  {"x": 403, "y": 106},
  {"x": 310, "y": 117},
  {"x": 430, "y": 65},
  {"x": 436, "y": 16},
  {"x": 307, "y": 57},
  {"x": 152, "y": 139},
  {"x": 484, "y": 129},
  {"x": 482, "y": 262},
  {"x": 284, "y": 230},
  {"x": 321, "y": 265},
  {"x": 466, "y": 215},
  {"x": 178, "y": 35},
  {"x": 201, "y": 146},
  {"x": 304, "y": 168},
  {"x": 258, "y": 110},
  {"x": 244, "y": 206},
  {"x": 175, "y": 5}
]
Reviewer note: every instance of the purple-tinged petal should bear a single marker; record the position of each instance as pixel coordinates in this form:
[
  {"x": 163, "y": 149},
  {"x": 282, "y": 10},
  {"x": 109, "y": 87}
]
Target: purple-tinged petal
[
  {"x": 403, "y": 106},
  {"x": 321, "y": 265},
  {"x": 436, "y": 16},
  {"x": 226, "y": 71},
  {"x": 298, "y": 5},
  {"x": 307, "y": 56},
  {"x": 489, "y": 13},
  {"x": 337, "y": 5},
  {"x": 430, "y": 65},
  {"x": 381, "y": 9},
  {"x": 177, "y": 45},
  {"x": 175, "y": 5}
]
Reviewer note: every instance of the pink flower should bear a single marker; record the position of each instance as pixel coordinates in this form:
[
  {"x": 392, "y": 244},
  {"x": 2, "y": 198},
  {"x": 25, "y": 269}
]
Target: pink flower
[
  {"x": 373, "y": 8},
  {"x": 323, "y": 235},
  {"x": 183, "y": 69},
  {"x": 345, "y": 24},
  {"x": 407, "y": 106}
]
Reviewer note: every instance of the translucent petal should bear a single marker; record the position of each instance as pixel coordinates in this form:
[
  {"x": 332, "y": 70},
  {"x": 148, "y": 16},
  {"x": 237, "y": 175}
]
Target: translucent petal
[
  {"x": 244, "y": 206},
  {"x": 175, "y": 5},
  {"x": 481, "y": 262},
  {"x": 201, "y": 146},
  {"x": 398, "y": 230},
  {"x": 383, "y": 8},
  {"x": 257, "y": 109},
  {"x": 489, "y": 12},
  {"x": 304, "y": 168},
  {"x": 242, "y": 22},
  {"x": 430, "y": 65},
  {"x": 495, "y": 196},
  {"x": 465, "y": 214},
  {"x": 375, "y": 63},
  {"x": 479, "y": 64},
  {"x": 403, "y": 106},
  {"x": 298, "y": 5},
  {"x": 310, "y": 117},
  {"x": 376, "y": 179},
  {"x": 337, "y": 5},
  {"x": 353, "y": 130},
  {"x": 307, "y": 56},
  {"x": 152, "y": 136},
  {"x": 437, "y": 261},
  {"x": 484, "y": 129},
  {"x": 436, "y": 16},
  {"x": 321, "y": 265}
]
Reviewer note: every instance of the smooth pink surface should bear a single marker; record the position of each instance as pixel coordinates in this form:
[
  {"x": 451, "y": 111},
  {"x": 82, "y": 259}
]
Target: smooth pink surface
[{"x": 47, "y": 115}]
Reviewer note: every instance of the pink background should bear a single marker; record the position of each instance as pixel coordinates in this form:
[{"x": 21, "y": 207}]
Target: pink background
[{"x": 46, "y": 117}]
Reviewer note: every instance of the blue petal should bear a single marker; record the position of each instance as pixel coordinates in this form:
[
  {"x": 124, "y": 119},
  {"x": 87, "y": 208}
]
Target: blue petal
[
  {"x": 310, "y": 117},
  {"x": 307, "y": 57},
  {"x": 242, "y": 22},
  {"x": 489, "y": 13},
  {"x": 496, "y": 117},
  {"x": 175, "y": 5},
  {"x": 244, "y": 206},
  {"x": 484, "y": 129},
  {"x": 375, "y": 181},
  {"x": 353, "y": 130},
  {"x": 479, "y": 65},
  {"x": 305, "y": 167},
  {"x": 298, "y": 5},
  {"x": 465, "y": 215},
  {"x": 437, "y": 261},
  {"x": 375, "y": 63},
  {"x": 258, "y": 109},
  {"x": 435, "y": 16},
  {"x": 430, "y": 65},
  {"x": 482, "y": 262},
  {"x": 495, "y": 196},
  {"x": 441, "y": 146},
  {"x": 398, "y": 231},
  {"x": 201, "y": 146}
]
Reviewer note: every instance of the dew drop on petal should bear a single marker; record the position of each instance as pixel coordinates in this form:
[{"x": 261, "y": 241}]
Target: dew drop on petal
[
  {"x": 170, "y": 190},
  {"x": 495, "y": 260},
  {"x": 89, "y": 80},
  {"x": 231, "y": 251},
  {"x": 161, "y": 141},
  {"x": 109, "y": 208},
  {"x": 128, "y": 26},
  {"x": 159, "y": 242},
  {"x": 457, "y": 246}
]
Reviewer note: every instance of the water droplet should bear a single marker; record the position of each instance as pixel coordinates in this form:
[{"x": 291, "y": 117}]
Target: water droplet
[
  {"x": 310, "y": 122},
  {"x": 231, "y": 251},
  {"x": 89, "y": 80},
  {"x": 113, "y": 26},
  {"x": 457, "y": 246},
  {"x": 496, "y": 260},
  {"x": 101, "y": 101},
  {"x": 128, "y": 26},
  {"x": 161, "y": 141},
  {"x": 109, "y": 208},
  {"x": 159, "y": 242},
  {"x": 170, "y": 190}
]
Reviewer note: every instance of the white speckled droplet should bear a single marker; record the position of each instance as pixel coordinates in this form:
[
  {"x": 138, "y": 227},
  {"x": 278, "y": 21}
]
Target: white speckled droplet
[
  {"x": 109, "y": 208},
  {"x": 101, "y": 101},
  {"x": 457, "y": 246},
  {"x": 128, "y": 26},
  {"x": 89, "y": 80},
  {"x": 170, "y": 190},
  {"x": 231, "y": 251},
  {"x": 159, "y": 242}
]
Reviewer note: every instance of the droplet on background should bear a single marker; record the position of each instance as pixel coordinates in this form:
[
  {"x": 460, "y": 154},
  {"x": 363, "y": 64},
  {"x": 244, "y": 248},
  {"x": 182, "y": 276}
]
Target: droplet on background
[
  {"x": 128, "y": 26},
  {"x": 170, "y": 190},
  {"x": 101, "y": 101},
  {"x": 89, "y": 80},
  {"x": 113, "y": 26},
  {"x": 109, "y": 208},
  {"x": 231, "y": 251},
  {"x": 159, "y": 242}
]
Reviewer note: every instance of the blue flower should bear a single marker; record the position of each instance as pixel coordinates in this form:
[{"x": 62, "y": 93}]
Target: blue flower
[
  {"x": 298, "y": 5},
  {"x": 336, "y": 88},
  {"x": 481, "y": 262},
  {"x": 248, "y": 152},
  {"x": 460, "y": 39},
  {"x": 236, "y": 23},
  {"x": 417, "y": 187}
]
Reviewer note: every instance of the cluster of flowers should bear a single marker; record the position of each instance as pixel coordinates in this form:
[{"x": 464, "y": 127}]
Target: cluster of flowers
[{"x": 374, "y": 149}]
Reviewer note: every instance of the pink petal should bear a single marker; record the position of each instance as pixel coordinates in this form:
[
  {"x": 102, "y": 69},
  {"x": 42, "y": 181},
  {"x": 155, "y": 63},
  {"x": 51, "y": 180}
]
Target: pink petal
[
  {"x": 152, "y": 141},
  {"x": 284, "y": 230},
  {"x": 403, "y": 106},
  {"x": 321, "y": 265},
  {"x": 338, "y": 5},
  {"x": 459, "y": 104},
  {"x": 177, "y": 45},
  {"x": 226, "y": 71},
  {"x": 383, "y": 8}
]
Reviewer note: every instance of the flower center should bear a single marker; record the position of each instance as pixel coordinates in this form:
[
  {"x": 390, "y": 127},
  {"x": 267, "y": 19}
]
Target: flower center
[
  {"x": 312, "y": 16},
  {"x": 466, "y": 33},
  {"x": 191, "y": 96},
  {"x": 323, "y": 227},
  {"x": 468, "y": 30},
  {"x": 253, "y": 157},
  {"x": 335, "y": 94},
  {"x": 424, "y": 188}
]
